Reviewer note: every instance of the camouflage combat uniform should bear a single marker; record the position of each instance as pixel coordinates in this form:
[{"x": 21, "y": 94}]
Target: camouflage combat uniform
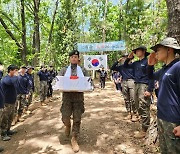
[
  {"x": 128, "y": 87},
  {"x": 143, "y": 104},
  {"x": 8, "y": 115},
  {"x": 72, "y": 103},
  {"x": 43, "y": 90},
  {"x": 21, "y": 104},
  {"x": 169, "y": 143}
]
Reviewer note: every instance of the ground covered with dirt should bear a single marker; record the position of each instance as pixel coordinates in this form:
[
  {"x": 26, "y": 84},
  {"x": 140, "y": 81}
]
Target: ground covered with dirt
[{"x": 103, "y": 129}]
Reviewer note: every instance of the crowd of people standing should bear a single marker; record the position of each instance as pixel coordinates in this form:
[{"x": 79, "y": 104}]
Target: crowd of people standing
[
  {"x": 16, "y": 93},
  {"x": 138, "y": 83},
  {"x": 133, "y": 74}
]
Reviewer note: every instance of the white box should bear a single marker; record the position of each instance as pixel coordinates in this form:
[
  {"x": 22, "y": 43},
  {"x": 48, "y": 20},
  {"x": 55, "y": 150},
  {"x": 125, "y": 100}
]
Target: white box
[{"x": 65, "y": 84}]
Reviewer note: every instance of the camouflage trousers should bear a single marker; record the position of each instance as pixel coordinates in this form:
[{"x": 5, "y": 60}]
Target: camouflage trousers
[
  {"x": 43, "y": 90},
  {"x": 7, "y": 118},
  {"x": 128, "y": 94},
  {"x": 75, "y": 108},
  {"x": 142, "y": 104},
  {"x": 21, "y": 104},
  {"x": 169, "y": 143},
  {"x": 30, "y": 97}
]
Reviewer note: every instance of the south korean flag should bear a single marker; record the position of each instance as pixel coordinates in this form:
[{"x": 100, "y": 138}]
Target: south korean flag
[{"x": 95, "y": 62}]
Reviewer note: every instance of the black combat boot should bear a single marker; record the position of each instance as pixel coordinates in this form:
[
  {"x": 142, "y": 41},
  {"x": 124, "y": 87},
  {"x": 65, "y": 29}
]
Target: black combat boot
[
  {"x": 11, "y": 132},
  {"x": 5, "y": 137}
]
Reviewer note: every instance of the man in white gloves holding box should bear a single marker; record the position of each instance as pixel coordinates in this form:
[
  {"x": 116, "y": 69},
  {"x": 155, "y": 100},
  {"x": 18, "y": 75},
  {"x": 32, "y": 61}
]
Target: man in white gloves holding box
[{"x": 73, "y": 102}]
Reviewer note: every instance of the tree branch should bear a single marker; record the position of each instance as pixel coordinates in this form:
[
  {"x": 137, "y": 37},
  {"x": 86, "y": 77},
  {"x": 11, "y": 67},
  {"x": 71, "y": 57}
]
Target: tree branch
[
  {"x": 52, "y": 24},
  {"x": 10, "y": 20},
  {"x": 29, "y": 8},
  {"x": 10, "y": 33}
]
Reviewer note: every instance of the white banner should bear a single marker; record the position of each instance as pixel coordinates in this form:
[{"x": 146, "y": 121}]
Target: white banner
[{"x": 95, "y": 62}]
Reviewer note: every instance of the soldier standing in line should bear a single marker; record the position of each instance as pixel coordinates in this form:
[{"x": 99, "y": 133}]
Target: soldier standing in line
[
  {"x": 52, "y": 75},
  {"x": 9, "y": 83},
  {"x": 43, "y": 77},
  {"x": 127, "y": 87},
  {"x": 72, "y": 102},
  {"x": 23, "y": 88},
  {"x": 143, "y": 87},
  {"x": 31, "y": 83},
  {"x": 102, "y": 77},
  {"x": 168, "y": 104}
]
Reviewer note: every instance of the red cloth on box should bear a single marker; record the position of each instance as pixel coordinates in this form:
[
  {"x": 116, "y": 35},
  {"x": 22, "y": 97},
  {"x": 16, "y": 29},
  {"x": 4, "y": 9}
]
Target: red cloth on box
[{"x": 74, "y": 77}]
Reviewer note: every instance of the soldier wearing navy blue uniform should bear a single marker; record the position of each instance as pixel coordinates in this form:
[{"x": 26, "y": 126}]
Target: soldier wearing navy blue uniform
[
  {"x": 52, "y": 75},
  {"x": 31, "y": 83},
  {"x": 9, "y": 83},
  {"x": 143, "y": 87},
  {"x": 103, "y": 76},
  {"x": 127, "y": 86},
  {"x": 168, "y": 104},
  {"x": 116, "y": 76},
  {"x": 43, "y": 77},
  {"x": 23, "y": 88}
]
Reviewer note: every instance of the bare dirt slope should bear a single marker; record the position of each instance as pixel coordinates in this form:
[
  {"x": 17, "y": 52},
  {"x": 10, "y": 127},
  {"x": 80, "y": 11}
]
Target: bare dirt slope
[{"x": 103, "y": 129}]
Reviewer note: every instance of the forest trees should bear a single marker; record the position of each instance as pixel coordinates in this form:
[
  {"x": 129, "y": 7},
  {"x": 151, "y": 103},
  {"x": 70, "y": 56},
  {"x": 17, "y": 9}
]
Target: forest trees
[{"x": 44, "y": 31}]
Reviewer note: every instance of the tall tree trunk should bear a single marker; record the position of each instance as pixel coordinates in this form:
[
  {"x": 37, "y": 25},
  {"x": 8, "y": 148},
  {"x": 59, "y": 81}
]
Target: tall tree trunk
[
  {"x": 36, "y": 35},
  {"x": 173, "y": 18},
  {"x": 120, "y": 20},
  {"x": 36, "y": 41},
  {"x": 24, "y": 45},
  {"x": 125, "y": 21},
  {"x": 104, "y": 26}
]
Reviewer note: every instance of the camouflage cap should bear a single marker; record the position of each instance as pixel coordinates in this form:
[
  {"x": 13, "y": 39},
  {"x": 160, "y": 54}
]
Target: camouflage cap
[{"x": 168, "y": 42}]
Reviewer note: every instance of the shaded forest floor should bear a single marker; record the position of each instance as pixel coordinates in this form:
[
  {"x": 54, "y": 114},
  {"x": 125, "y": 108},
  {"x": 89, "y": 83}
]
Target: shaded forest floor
[{"x": 103, "y": 130}]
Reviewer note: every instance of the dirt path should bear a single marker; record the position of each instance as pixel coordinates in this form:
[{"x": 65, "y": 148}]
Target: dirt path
[{"x": 103, "y": 129}]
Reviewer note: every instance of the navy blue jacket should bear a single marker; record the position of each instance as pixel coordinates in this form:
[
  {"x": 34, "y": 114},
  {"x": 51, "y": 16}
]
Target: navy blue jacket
[
  {"x": 43, "y": 76},
  {"x": 140, "y": 72},
  {"x": 51, "y": 75},
  {"x": 169, "y": 91},
  {"x": 1, "y": 97},
  {"x": 127, "y": 73},
  {"x": 103, "y": 73},
  {"x": 9, "y": 87},
  {"x": 23, "y": 85},
  {"x": 31, "y": 81}
]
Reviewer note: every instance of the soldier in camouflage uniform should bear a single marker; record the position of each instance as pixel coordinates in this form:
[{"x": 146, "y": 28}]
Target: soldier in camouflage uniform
[
  {"x": 72, "y": 103},
  {"x": 23, "y": 88},
  {"x": 9, "y": 83},
  {"x": 143, "y": 87},
  {"x": 43, "y": 77},
  {"x": 168, "y": 104},
  {"x": 31, "y": 83}
]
